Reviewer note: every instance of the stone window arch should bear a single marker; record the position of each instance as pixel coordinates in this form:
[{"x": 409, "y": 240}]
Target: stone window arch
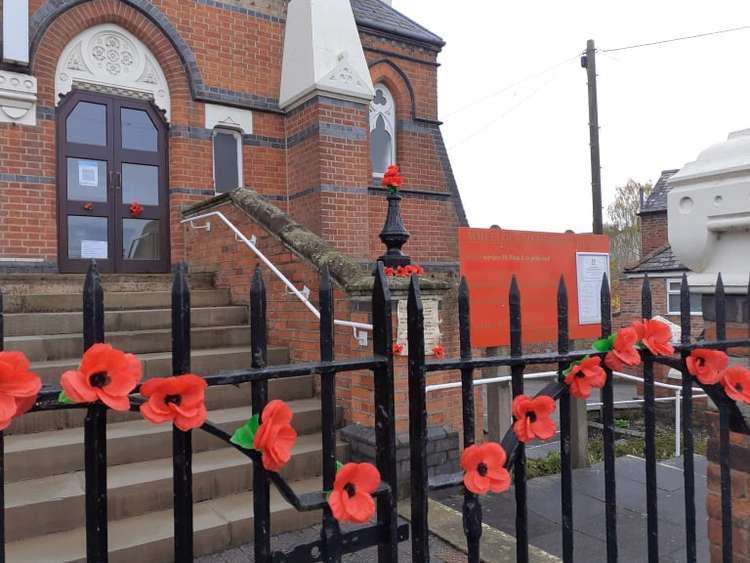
[
  {"x": 382, "y": 130},
  {"x": 108, "y": 58}
]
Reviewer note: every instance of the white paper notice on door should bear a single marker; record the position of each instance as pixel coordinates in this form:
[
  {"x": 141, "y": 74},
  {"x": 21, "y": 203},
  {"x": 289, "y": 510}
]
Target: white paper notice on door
[
  {"x": 590, "y": 270},
  {"x": 88, "y": 173},
  {"x": 93, "y": 249}
]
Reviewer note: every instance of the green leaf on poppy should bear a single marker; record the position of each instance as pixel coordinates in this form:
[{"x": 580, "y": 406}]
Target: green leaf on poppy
[
  {"x": 603, "y": 345},
  {"x": 339, "y": 465},
  {"x": 245, "y": 434},
  {"x": 570, "y": 368},
  {"x": 64, "y": 399}
]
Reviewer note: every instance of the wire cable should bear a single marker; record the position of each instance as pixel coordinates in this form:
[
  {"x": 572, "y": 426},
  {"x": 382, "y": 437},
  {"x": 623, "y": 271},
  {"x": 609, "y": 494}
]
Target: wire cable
[
  {"x": 511, "y": 86},
  {"x": 684, "y": 37}
]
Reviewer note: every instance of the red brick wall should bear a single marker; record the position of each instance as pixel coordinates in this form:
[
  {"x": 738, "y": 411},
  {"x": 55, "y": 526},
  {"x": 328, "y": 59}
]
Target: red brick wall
[
  {"x": 292, "y": 325},
  {"x": 653, "y": 232},
  {"x": 740, "y": 488}
]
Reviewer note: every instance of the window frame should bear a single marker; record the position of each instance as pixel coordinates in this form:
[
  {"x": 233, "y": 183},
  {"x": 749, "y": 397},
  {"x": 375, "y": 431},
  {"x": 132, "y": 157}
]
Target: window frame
[
  {"x": 388, "y": 113},
  {"x": 238, "y": 136},
  {"x": 670, "y": 292}
]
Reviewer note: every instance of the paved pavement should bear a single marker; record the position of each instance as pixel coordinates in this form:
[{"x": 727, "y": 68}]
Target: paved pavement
[
  {"x": 440, "y": 552},
  {"x": 588, "y": 511}
]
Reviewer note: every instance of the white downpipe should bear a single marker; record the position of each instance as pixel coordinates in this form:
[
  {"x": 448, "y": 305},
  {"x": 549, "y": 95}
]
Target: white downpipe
[{"x": 360, "y": 336}]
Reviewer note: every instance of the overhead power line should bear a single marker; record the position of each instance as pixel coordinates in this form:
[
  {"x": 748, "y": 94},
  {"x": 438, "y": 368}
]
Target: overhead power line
[
  {"x": 672, "y": 40},
  {"x": 511, "y": 86}
]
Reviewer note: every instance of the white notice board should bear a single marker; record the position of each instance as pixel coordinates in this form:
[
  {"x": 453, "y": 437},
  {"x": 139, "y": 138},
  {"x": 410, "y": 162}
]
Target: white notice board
[{"x": 590, "y": 269}]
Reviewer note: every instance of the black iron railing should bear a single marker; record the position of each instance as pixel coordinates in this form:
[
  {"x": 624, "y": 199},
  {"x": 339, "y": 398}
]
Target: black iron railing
[
  {"x": 333, "y": 543},
  {"x": 730, "y": 418},
  {"x": 386, "y": 533}
]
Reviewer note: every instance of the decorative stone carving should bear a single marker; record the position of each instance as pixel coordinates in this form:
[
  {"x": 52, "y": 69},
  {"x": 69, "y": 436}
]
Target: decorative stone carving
[
  {"x": 17, "y": 98},
  {"x": 229, "y": 117},
  {"x": 709, "y": 215},
  {"x": 109, "y": 56}
]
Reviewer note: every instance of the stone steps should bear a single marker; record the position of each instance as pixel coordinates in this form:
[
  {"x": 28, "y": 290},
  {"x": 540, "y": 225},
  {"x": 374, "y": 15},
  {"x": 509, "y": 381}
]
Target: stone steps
[
  {"x": 203, "y": 362},
  {"x": 42, "y": 454},
  {"x": 29, "y": 324},
  {"x": 113, "y": 300},
  {"x": 218, "y": 524},
  {"x": 56, "y": 504},
  {"x": 43, "y": 348},
  {"x": 12, "y": 284},
  {"x": 217, "y": 397}
]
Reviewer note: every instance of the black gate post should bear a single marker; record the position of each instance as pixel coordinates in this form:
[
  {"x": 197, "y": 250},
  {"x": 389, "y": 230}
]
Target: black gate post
[
  {"x": 182, "y": 450},
  {"x": 95, "y": 428},
  {"x": 385, "y": 416},
  {"x": 472, "y": 508},
  {"x": 417, "y": 425},
  {"x": 259, "y": 391}
]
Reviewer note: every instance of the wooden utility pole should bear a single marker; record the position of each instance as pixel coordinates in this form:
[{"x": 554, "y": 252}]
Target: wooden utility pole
[{"x": 588, "y": 61}]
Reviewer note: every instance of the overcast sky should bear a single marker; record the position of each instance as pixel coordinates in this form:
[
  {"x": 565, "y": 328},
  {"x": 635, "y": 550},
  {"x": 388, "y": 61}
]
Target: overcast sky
[{"x": 521, "y": 157}]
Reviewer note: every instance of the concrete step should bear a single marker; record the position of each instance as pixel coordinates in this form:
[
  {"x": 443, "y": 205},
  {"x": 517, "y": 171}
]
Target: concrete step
[
  {"x": 217, "y": 397},
  {"x": 51, "y": 347},
  {"x": 113, "y": 300},
  {"x": 43, "y": 454},
  {"x": 203, "y": 362},
  {"x": 29, "y": 324},
  {"x": 55, "y": 504},
  {"x": 13, "y": 284},
  {"x": 218, "y": 524}
]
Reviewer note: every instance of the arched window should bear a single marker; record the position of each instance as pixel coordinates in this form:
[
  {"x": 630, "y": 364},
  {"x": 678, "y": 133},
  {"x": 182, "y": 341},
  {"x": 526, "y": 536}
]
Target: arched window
[{"x": 382, "y": 130}]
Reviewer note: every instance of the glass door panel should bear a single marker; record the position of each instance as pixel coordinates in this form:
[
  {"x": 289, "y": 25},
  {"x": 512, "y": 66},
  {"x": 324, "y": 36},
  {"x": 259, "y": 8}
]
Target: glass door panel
[
  {"x": 87, "y": 180},
  {"x": 140, "y": 239},
  {"x": 88, "y": 238},
  {"x": 140, "y": 182}
]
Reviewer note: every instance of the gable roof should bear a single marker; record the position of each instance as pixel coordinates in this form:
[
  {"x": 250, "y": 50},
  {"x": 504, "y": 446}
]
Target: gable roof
[
  {"x": 657, "y": 201},
  {"x": 379, "y": 16},
  {"x": 660, "y": 260}
]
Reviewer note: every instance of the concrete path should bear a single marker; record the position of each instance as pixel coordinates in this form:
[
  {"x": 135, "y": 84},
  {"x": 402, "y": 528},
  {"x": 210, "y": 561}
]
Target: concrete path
[
  {"x": 440, "y": 551},
  {"x": 588, "y": 511}
]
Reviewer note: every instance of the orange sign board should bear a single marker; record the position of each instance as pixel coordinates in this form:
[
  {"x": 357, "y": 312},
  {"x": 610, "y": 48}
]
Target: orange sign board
[{"x": 489, "y": 259}]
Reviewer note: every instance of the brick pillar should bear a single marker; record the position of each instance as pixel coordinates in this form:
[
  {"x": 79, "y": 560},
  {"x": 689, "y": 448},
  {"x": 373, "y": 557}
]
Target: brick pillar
[
  {"x": 739, "y": 460},
  {"x": 328, "y": 152}
]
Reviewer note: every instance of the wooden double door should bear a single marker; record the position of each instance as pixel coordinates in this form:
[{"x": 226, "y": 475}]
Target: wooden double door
[{"x": 113, "y": 200}]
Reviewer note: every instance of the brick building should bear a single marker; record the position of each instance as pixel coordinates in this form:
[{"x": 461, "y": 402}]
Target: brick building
[
  {"x": 121, "y": 118},
  {"x": 658, "y": 261},
  {"x": 167, "y": 103}
]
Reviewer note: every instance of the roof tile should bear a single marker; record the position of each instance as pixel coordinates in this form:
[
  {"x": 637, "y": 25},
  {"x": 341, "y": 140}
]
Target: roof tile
[{"x": 379, "y": 15}]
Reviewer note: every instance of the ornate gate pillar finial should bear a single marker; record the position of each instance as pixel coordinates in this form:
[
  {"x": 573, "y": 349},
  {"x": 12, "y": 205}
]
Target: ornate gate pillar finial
[{"x": 394, "y": 234}]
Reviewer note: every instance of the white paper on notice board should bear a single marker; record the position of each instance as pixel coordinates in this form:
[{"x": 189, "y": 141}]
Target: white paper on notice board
[
  {"x": 88, "y": 173},
  {"x": 590, "y": 270},
  {"x": 93, "y": 249}
]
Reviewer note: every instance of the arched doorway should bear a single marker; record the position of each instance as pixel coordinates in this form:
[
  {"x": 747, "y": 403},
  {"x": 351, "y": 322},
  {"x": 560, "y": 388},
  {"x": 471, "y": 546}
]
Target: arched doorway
[{"x": 112, "y": 165}]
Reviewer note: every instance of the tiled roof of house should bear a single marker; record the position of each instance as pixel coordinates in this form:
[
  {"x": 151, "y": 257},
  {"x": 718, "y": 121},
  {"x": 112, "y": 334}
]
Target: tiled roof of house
[
  {"x": 378, "y": 15},
  {"x": 657, "y": 201},
  {"x": 660, "y": 260}
]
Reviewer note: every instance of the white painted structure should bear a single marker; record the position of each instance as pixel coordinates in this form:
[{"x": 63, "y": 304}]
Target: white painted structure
[
  {"x": 709, "y": 215},
  {"x": 230, "y": 118},
  {"x": 16, "y": 31},
  {"x": 110, "y": 58},
  {"x": 322, "y": 54}
]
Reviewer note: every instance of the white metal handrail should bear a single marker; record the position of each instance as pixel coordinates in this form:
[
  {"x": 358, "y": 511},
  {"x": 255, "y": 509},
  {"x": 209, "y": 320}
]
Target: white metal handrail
[
  {"x": 359, "y": 329},
  {"x": 547, "y": 374}
]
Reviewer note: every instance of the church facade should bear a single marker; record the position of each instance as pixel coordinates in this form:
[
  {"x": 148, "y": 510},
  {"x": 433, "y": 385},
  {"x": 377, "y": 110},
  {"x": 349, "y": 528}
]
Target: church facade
[{"x": 116, "y": 115}]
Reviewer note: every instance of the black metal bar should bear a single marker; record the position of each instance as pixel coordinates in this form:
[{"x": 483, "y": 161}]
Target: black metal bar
[
  {"x": 330, "y": 532},
  {"x": 385, "y": 416},
  {"x": 259, "y": 392},
  {"x": 649, "y": 410},
  {"x": 519, "y": 470},
  {"x": 724, "y": 450},
  {"x": 2, "y": 446},
  {"x": 472, "y": 508},
  {"x": 608, "y": 422},
  {"x": 566, "y": 464},
  {"x": 182, "y": 449},
  {"x": 417, "y": 425},
  {"x": 687, "y": 426},
  {"x": 95, "y": 428}
]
